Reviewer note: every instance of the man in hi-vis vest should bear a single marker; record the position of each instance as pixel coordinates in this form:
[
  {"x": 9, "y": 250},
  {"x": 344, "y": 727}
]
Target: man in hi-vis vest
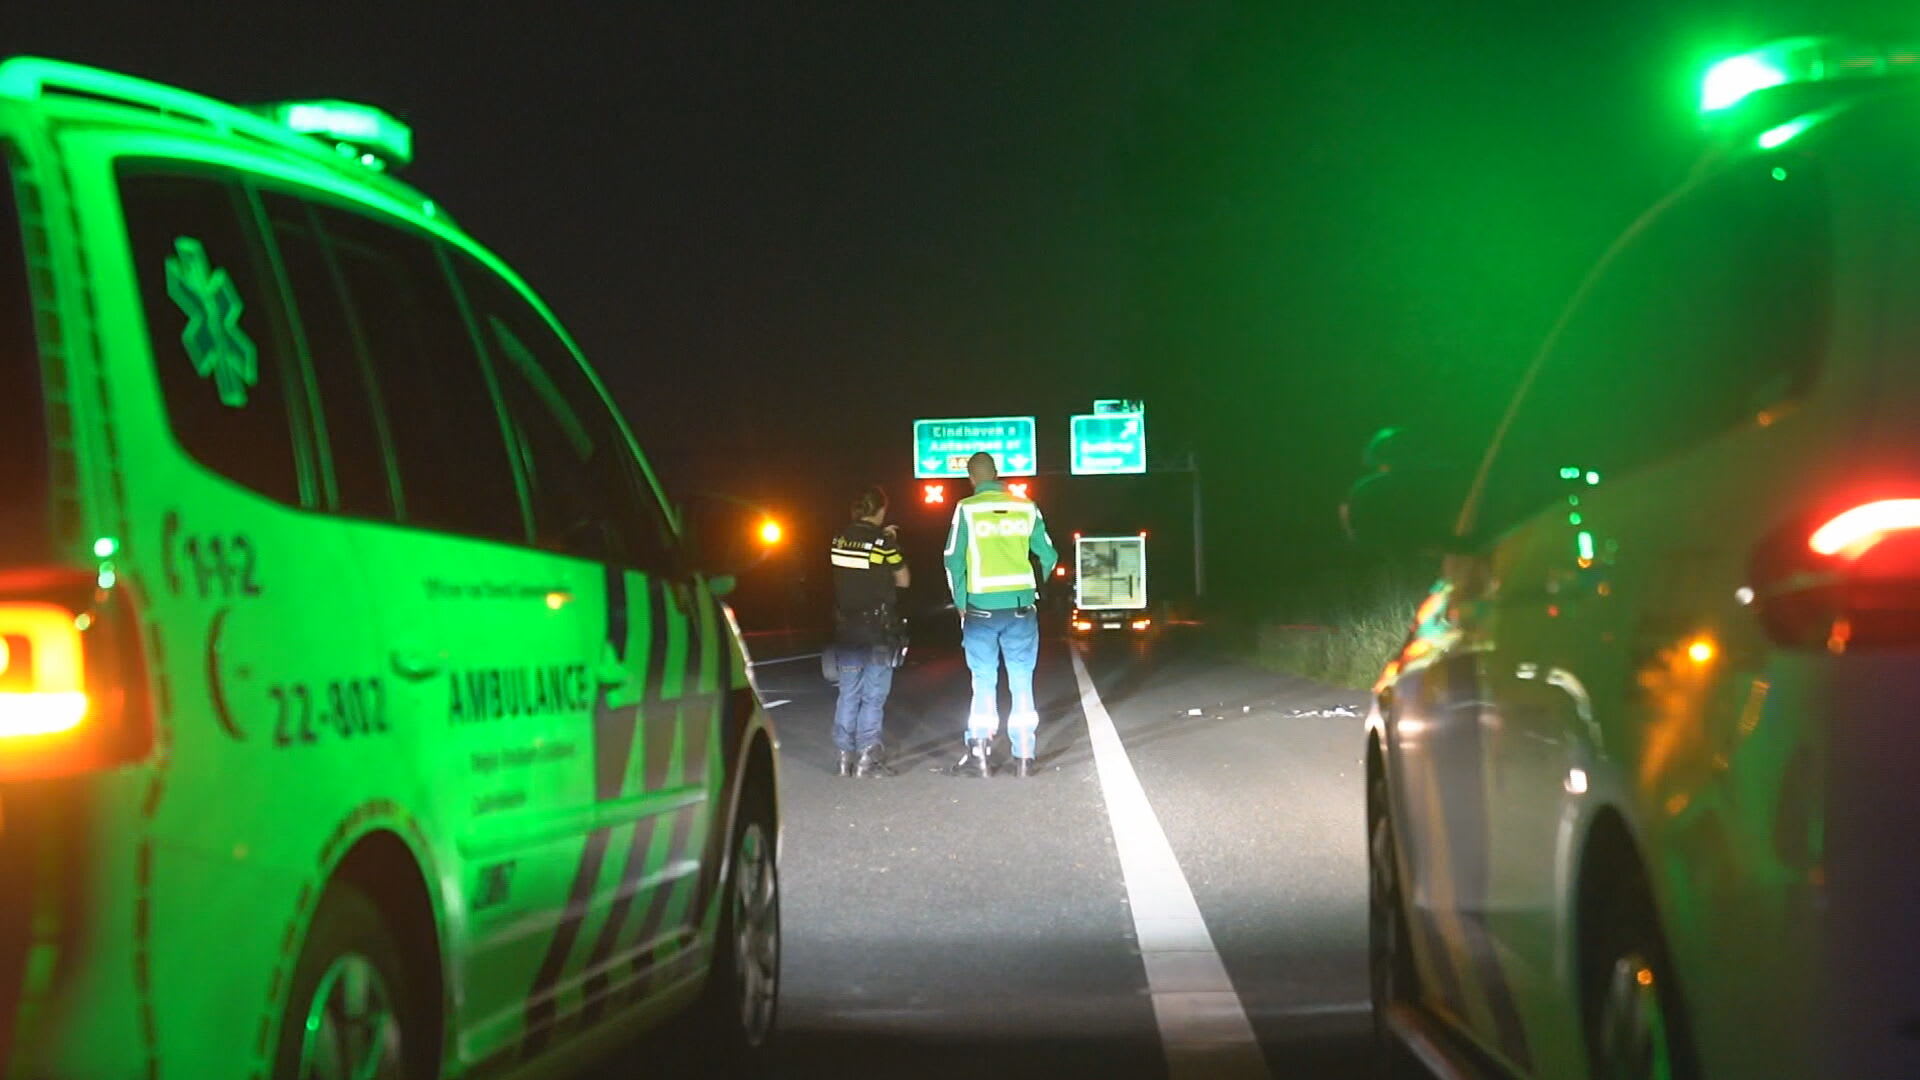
[{"x": 994, "y": 589}]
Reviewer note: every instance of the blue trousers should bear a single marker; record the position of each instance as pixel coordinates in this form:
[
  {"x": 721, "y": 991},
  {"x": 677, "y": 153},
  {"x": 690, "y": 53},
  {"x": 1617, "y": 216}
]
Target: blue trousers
[
  {"x": 866, "y": 677},
  {"x": 987, "y": 637}
]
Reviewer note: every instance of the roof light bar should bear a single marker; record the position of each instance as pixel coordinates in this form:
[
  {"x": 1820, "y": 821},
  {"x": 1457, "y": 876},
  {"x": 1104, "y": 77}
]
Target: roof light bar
[
  {"x": 361, "y": 131},
  {"x": 1799, "y": 60}
]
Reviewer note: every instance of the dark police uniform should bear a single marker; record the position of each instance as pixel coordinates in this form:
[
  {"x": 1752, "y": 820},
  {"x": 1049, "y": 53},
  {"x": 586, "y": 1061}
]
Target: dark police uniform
[{"x": 866, "y": 636}]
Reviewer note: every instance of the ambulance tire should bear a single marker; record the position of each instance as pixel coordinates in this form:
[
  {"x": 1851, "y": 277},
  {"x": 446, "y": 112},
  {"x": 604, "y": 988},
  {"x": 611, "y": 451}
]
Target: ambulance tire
[
  {"x": 353, "y": 998},
  {"x": 740, "y": 1010}
]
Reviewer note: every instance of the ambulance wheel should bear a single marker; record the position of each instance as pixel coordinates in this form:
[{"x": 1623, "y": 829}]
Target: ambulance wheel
[
  {"x": 1635, "y": 1025},
  {"x": 743, "y": 991},
  {"x": 353, "y": 1011}
]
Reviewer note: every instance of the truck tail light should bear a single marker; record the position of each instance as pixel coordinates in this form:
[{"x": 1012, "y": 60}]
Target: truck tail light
[
  {"x": 1843, "y": 581},
  {"x": 72, "y": 680}
]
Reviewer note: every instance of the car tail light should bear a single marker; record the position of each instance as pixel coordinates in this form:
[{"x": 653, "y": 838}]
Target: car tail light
[
  {"x": 72, "y": 680},
  {"x": 1142, "y": 624},
  {"x": 1843, "y": 581},
  {"x": 1083, "y": 624}
]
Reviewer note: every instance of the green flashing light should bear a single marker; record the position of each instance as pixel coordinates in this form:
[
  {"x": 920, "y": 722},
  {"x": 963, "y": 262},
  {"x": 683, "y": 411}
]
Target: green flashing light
[
  {"x": 1585, "y": 541},
  {"x": 1568, "y": 472},
  {"x": 105, "y": 547},
  {"x": 1730, "y": 81},
  {"x": 362, "y": 132},
  {"x": 1773, "y": 138},
  {"x": 107, "y": 577},
  {"x": 1574, "y": 518},
  {"x": 1779, "y": 173},
  {"x": 1799, "y": 60},
  {"x": 1593, "y": 478},
  {"x": 1573, "y": 500}
]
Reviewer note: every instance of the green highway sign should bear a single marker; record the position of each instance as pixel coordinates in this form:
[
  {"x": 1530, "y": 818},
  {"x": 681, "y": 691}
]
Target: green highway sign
[
  {"x": 1118, "y": 405},
  {"x": 1109, "y": 443},
  {"x": 941, "y": 447}
]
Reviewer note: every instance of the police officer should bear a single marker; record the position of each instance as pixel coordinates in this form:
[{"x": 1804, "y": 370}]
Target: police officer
[
  {"x": 868, "y": 636},
  {"x": 991, "y": 577}
]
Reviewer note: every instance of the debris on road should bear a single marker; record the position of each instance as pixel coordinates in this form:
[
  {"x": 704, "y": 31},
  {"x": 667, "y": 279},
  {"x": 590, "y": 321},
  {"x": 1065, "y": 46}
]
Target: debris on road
[{"x": 1335, "y": 710}]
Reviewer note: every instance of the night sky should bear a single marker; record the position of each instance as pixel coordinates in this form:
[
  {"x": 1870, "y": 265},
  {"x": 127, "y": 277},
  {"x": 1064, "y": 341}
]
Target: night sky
[{"x": 782, "y": 231}]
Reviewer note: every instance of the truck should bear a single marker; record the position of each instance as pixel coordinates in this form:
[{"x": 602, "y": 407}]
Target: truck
[{"x": 1110, "y": 583}]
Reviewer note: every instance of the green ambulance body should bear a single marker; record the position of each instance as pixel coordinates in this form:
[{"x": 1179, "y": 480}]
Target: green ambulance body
[{"x": 347, "y": 640}]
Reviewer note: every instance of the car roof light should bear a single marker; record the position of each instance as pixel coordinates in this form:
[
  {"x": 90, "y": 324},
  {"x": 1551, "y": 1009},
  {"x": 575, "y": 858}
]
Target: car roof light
[
  {"x": 1796, "y": 61},
  {"x": 372, "y": 135},
  {"x": 1852, "y": 533}
]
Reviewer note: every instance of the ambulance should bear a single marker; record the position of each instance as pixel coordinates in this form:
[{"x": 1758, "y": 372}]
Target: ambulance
[{"x": 362, "y": 712}]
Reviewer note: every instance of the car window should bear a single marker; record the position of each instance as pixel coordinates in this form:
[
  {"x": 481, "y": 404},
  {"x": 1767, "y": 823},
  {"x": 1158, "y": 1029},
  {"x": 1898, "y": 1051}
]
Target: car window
[
  {"x": 352, "y": 435},
  {"x": 1710, "y": 312},
  {"x": 589, "y": 498},
  {"x": 448, "y": 441},
  {"x": 23, "y": 422},
  {"x": 214, "y": 325}
]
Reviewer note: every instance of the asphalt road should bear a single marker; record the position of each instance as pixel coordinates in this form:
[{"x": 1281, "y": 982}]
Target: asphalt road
[{"x": 937, "y": 926}]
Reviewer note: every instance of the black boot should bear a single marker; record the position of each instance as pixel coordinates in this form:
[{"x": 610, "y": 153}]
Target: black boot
[
  {"x": 846, "y": 763},
  {"x": 977, "y": 761},
  {"x": 1023, "y": 767},
  {"x": 871, "y": 764}
]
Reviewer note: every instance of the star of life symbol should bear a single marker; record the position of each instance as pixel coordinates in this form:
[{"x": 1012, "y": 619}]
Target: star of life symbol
[{"x": 216, "y": 345}]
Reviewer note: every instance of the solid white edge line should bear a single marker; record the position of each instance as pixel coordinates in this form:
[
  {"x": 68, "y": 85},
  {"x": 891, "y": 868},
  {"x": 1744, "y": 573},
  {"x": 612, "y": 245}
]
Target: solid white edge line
[{"x": 1204, "y": 1030}]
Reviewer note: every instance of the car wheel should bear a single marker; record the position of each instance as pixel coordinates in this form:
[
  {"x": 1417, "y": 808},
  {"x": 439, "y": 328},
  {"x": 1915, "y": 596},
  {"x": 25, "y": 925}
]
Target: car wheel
[
  {"x": 743, "y": 992},
  {"x": 1389, "y": 957},
  {"x": 352, "y": 1013},
  {"x": 1635, "y": 1026}
]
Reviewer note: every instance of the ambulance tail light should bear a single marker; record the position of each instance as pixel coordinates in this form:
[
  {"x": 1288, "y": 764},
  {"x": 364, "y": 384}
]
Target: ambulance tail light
[
  {"x": 72, "y": 681},
  {"x": 1849, "y": 581}
]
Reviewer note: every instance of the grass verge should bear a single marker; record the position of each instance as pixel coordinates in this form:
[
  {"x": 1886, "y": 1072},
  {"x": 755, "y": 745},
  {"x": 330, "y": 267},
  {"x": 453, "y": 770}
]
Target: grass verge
[{"x": 1347, "y": 631}]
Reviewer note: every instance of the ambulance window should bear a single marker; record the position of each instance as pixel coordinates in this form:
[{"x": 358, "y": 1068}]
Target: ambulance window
[
  {"x": 214, "y": 326},
  {"x": 354, "y": 436},
  {"x": 23, "y": 422},
  {"x": 589, "y": 496},
  {"x": 1712, "y": 311},
  {"x": 448, "y": 442}
]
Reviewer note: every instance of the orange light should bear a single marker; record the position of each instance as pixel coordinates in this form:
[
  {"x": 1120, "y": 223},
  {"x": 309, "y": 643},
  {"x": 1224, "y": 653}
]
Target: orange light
[
  {"x": 1644, "y": 976},
  {"x": 1701, "y": 651},
  {"x": 933, "y": 494},
  {"x": 1854, "y": 532},
  {"x": 1082, "y": 624},
  {"x": 1017, "y": 489},
  {"x": 45, "y": 676},
  {"x": 1142, "y": 624},
  {"x": 771, "y": 532},
  {"x": 1059, "y": 571},
  {"x": 556, "y": 601}
]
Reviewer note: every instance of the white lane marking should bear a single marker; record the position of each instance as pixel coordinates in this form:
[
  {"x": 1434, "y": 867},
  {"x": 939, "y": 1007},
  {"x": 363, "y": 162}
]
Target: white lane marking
[
  {"x": 777, "y": 704},
  {"x": 1204, "y": 1029},
  {"x": 783, "y": 659}
]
